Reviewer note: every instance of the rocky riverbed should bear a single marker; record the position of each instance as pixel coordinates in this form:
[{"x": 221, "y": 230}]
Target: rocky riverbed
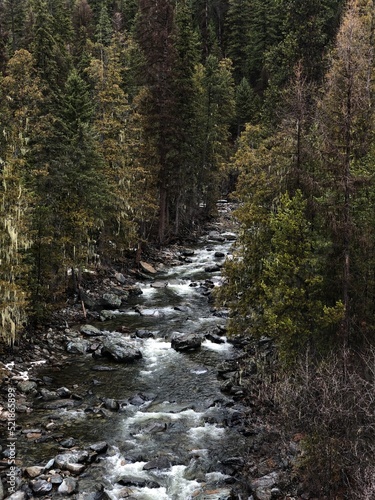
[{"x": 138, "y": 392}]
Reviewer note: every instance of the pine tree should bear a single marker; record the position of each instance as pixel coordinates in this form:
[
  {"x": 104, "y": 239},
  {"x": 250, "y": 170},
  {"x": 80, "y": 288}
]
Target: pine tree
[
  {"x": 345, "y": 118},
  {"x": 19, "y": 116}
]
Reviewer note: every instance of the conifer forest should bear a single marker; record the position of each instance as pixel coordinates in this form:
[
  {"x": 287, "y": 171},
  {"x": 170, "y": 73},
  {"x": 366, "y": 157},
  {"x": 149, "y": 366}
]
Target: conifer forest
[{"x": 123, "y": 122}]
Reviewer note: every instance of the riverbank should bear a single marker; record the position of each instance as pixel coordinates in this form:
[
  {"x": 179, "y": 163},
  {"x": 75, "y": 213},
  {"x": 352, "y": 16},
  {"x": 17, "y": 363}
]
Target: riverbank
[{"x": 262, "y": 467}]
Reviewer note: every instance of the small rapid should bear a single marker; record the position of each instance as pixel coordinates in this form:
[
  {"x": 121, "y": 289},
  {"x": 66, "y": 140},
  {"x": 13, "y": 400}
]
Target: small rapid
[{"x": 169, "y": 437}]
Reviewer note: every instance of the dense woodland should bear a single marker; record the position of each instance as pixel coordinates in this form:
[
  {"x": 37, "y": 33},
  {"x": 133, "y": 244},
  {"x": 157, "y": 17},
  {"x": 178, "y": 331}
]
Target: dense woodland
[{"x": 122, "y": 123}]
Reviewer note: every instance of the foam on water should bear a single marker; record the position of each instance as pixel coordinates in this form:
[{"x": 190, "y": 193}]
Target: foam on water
[
  {"x": 208, "y": 431},
  {"x": 217, "y": 347}
]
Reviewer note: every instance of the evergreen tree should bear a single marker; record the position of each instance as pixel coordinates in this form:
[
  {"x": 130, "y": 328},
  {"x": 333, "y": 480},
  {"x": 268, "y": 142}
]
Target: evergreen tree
[
  {"x": 345, "y": 118},
  {"x": 20, "y": 89}
]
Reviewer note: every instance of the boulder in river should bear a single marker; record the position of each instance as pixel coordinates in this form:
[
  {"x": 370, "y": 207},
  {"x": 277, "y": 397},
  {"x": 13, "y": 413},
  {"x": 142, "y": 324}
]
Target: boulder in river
[
  {"x": 90, "y": 331},
  {"x": 186, "y": 342},
  {"x": 158, "y": 463},
  {"x": 111, "y": 301},
  {"x": 212, "y": 268},
  {"x": 68, "y": 486},
  {"x": 100, "y": 447},
  {"x": 148, "y": 268},
  {"x": 41, "y": 487},
  {"x": 120, "y": 350}
]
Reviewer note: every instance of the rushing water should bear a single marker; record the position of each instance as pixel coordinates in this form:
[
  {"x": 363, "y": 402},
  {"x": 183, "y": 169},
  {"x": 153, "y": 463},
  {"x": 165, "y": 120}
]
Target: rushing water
[{"x": 177, "y": 412}]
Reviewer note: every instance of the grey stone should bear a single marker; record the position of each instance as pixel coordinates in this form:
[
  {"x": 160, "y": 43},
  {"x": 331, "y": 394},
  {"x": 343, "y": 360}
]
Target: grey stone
[
  {"x": 48, "y": 395},
  {"x": 34, "y": 471},
  {"x": 186, "y": 342},
  {"x": 111, "y": 404},
  {"x": 120, "y": 350},
  {"x": 68, "y": 486},
  {"x": 41, "y": 487},
  {"x": 63, "y": 392},
  {"x": 77, "y": 347},
  {"x": 145, "y": 334},
  {"x": 263, "y": 486},
  {"x": 27, "y": 386},
  {"x": 18, "y": 495},
  {"x": 158, "y": 463},
  {"x": 100, "y": 447},
  {"x": 90, "y": 331},
  {"x": 212, "y": 268},
  {"x": 120, "y": 278},
  {"x": 111, "y": 300}
]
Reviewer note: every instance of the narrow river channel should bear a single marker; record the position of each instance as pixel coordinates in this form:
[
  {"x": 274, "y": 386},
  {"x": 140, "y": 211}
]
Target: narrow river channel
[{"x": 170, "y": 437}]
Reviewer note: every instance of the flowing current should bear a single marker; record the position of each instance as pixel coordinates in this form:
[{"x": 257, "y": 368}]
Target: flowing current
[{"x": 170, "y": 437}]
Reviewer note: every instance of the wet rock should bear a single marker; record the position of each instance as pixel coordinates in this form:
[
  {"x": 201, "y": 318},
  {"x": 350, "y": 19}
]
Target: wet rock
[
  {"x": 137, "y": 400},
  {"x": 159, "y": 284},
  {"x": 27, "y": 386},
  {"x": 120, "y": 350},
  {"x": 50, "y": 464},
  {"x": 212, "y": 268},
  {"x": 233, "y": 461},
  {"x": 68, "y": 443},
  {"x": 134, "y": 290},
  {"x": 41, "y": 487},
  {"x": 59, "y": 403},
  {"x": 63, "y": 392},
  {"x": 229, "y": 236},
  {"x": 216, "y": 236},
  {"x": 148, "y": 268},
  {"x": 90, "y": 331},
  {"x": 120, "y": 278},
  {"x": 158, "y": 463},
  {"x": 129, "y": 483},
  {"x": 18, "y": 495},
  {"x": 48, "y": 395},
  {"x": 111, "y": 301},
  {"x": 219, "y": 255},
  {"x": 100, "y": 447},
  {"x": 55, "y": 479},
  {"x": 186, "y": 342},
  {"x": 214, "y": 494},
  {"x": 68, "y": 486},
  {"x": 33, "y": 472},
  {"x": 77, "y": 347},
  {"x": 72, "y": 461},
  {"x": 187, "y": 252},
  {"x": 145, "y": 334},
  {"x": 111, "y": 404},
  {"x": 106, "y": 315},
  {"x": 215, "y": 338},
  {"x": 263, "y": 486}
]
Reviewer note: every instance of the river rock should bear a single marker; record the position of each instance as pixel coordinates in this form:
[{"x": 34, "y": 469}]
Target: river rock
[
  {"x": 90, "y": 331},
  {"x": 68, "y": 443},
  {"x": 27, "y": 386},
  {"x": 148, "y": 268},
  {"x": 186, "y": 342},
  {"x": 111, "y": 404},
  {"x": 263, "y": 486},
  {"x": 214, "y": 338},
  {"x": 106, "y": 315},
  {"x": 68, "y": 486},
  {"x": 72, "y": 461},
  {"x": 145, "y": 334},
  {"x": 63, "y": 392},
  {"x": 214, "y": 494},
  {"x": 100, "y": 447},
  {"x": 111, "y": 301},
  {"x": 216, "y": 236},
  {"x": 18, "y": 495},
  {"x": 59, "y": 403},
  {"x": 34, "y": 471},
  {"x": 120, "y": 278},
  {"x": 41, "y": 487},
  {"x": 134, "y": 290},
  {"x": 120, "y": 350},
  {"x": 229, "y": 236},
  {"x": 77, "y": 347},
  {"x": 219, "y": 255},
  {"x": 212, "y": 268},
  {"x": 158, "y": 463},
  {"x": 48, "y": 395}
]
